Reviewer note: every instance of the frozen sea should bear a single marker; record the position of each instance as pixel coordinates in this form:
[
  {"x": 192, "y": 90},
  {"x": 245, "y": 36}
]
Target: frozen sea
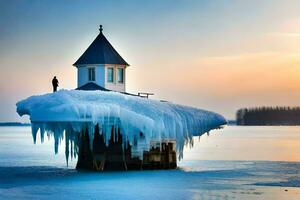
[{"x": 232, "y": 163}]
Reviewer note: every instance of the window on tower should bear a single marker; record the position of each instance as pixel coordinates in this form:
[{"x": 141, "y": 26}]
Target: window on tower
[
  {"x": 110, "y": 74},
  {"x": 120, "y": 75},
  {"x": 91, "y": 74}
]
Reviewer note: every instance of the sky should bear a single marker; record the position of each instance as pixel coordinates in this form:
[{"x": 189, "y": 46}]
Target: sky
[{"x": 216, "y": 55}]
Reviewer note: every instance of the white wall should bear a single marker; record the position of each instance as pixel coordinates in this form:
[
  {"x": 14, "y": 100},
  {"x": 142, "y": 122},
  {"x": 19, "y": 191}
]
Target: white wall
[
  {"x": 82, "y": 75},
  {"x": 101, "y": 77},
  {"x": 115, "y": 86}
]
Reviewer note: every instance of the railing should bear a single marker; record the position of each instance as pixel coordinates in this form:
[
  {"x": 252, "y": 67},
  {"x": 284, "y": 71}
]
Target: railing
[{"x": 145, "y": 94}]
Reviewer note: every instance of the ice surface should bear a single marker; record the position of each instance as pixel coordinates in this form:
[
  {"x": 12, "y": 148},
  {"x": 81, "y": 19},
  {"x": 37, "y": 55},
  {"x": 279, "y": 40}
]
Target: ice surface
[
  {"x": 68, "y": 113},
  {"x": 26, "y": 173}
]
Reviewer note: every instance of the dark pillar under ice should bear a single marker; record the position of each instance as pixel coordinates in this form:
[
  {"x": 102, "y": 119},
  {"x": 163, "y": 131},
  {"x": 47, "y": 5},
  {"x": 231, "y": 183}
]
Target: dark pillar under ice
[{"x": 114, "y": 157}]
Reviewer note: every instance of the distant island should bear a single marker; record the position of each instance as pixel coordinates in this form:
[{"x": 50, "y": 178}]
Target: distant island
[
  {"x": 14, "y": 124},
  {"x": 261, "y": 116}
]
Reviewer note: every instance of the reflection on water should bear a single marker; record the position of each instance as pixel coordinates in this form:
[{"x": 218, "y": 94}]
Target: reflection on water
[
  {"x": 17, "y": 149},
  {"x": 232, "y": 163},
  {"x": 273, "y": 143},
  {"x": 277, "y": 143}
]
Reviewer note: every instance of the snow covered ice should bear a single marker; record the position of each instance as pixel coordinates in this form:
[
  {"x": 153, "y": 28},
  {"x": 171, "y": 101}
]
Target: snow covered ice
[{"x": 67, "y": 113}]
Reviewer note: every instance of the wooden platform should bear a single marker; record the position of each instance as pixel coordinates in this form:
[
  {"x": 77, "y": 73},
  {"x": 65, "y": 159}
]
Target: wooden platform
[{"x": 114, "y": 157}]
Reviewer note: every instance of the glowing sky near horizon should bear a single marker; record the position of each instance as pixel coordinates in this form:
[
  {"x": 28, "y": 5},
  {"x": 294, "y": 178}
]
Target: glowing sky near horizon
[{"x": 215, "y": 55}]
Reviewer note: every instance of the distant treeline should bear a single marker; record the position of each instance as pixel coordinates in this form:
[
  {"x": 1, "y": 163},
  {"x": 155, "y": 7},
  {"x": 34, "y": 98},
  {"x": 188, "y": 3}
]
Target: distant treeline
[
  {"x": 13, "y": 124},
  {"x": 268, "y": 116}
]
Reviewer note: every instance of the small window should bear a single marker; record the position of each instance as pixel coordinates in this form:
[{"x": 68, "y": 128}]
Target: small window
[
  {"x": 120, "y": 75},
  {"x": 110, "y": 74},
  {"x": 91, "y": 74}
]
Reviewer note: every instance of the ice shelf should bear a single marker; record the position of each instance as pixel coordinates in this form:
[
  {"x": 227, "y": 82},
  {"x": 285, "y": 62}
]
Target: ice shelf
[{"x": 67, "y": 113}]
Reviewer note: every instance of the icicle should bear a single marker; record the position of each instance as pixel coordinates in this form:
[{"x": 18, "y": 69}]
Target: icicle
[
  {"x": 42, "y": 132},
  {"x": 58, "y": 132},
  {"x": 67, "y": 139},
  {"x": 91, "y": 133},
  {"x": 76, "y": 143},
  {"x": 72, "y": 149},
  {"x": 34, "y": 130},
  {"x": 55, "y": 144}
]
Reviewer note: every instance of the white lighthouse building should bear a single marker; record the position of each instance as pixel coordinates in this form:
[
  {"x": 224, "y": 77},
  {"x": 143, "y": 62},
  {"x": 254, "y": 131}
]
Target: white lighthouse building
[{"x": 101, "y": 67}]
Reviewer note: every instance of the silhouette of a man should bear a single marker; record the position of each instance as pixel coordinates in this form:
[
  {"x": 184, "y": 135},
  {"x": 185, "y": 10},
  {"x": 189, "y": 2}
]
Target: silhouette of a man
[{"x": 54, "y": 84}]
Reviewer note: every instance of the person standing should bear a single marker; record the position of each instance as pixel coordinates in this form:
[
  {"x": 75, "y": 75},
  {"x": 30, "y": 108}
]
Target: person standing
[{"x": 55, "y": 84}]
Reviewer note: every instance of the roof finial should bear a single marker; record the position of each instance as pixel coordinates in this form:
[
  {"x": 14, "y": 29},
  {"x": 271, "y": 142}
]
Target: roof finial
[{"x": 101, "y": 29}]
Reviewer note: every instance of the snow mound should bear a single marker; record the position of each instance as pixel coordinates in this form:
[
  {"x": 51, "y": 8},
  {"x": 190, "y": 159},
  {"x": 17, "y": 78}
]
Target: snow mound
[{"x": 73, "y": 111}]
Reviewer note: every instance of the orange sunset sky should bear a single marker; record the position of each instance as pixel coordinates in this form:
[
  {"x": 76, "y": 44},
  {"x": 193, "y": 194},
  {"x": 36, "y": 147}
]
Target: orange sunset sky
[{"x": 215, "y": 55}]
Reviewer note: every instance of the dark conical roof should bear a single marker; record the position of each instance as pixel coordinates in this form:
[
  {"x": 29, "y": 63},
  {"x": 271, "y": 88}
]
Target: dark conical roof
[{"x": 100, "y": 52}]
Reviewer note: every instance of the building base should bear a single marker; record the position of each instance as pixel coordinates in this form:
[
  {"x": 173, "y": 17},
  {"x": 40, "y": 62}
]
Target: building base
[{"x": 115, "y": 157}]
